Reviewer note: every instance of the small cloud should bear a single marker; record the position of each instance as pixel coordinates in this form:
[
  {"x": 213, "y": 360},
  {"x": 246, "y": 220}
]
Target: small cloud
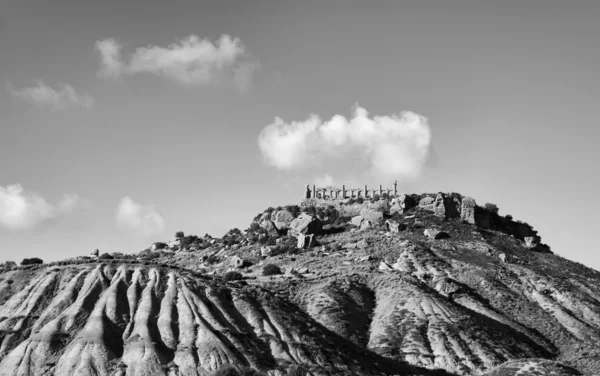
[
  {"x": 324, "y": 181},
  {"x": 20, "y": 210},
  {"x": 142, "y": 220},
  {"x": 55, "y": 99},
  {"x": 394, "y": 146},
  {"x": 190, "y": 61}
]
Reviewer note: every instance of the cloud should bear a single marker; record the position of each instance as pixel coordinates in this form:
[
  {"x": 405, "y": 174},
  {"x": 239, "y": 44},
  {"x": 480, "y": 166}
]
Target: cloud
[
  {"x": 143, "y": 220},
  {"x": 394, "y": 146},
  {"x": 20, "y": 210},
  {"x": 55, "y": 99},
  {"x": 190, "y": 61},
  {"x": 324, "y": 181}
]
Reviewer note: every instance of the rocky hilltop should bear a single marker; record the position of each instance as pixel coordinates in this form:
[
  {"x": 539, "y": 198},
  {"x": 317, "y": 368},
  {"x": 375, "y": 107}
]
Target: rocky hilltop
[{"x": 429, "y": 284}]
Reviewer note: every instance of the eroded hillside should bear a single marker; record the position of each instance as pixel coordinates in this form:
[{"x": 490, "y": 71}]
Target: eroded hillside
[{"x": 409, "y": 292}]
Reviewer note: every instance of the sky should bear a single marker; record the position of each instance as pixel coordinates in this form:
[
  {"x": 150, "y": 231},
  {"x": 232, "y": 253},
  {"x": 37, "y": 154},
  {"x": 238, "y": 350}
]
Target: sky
[{"x": 122, "y": 123}]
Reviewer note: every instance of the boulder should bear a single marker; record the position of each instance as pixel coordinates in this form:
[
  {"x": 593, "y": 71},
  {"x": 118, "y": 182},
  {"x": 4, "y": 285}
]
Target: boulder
[
  {"x": 306, "y": 224},
  {"x": 439, "y": 206},
  {"x": 362, "y": 244},
  {"x": 385, "y": 266},
  {"x": 531, "y": 242},
  {"x": 365, "y": 225},
  {"x": 402, "y": 204},
  {"x": 303, "y": 270},
  {"x": 392, "y": 226},
  {"x": 268, "y": 226},
  {"x": 467, "y": 210},
  {"x": 372, "y": 215},
  {"x": 305, "y": 241},
  {"x": 282, "y": 219},
  {"x": 236, "y": 262},
  {"x": 365, "y": 258},
  {"x": 266, "y": 251},
  {"x": 427, "y": 203},
  {"x": 503, "y": 257},
  {"x": 432, "y": 233},
  {"x": 356, "y": 221},
  {"x": 96, "y": 253}
]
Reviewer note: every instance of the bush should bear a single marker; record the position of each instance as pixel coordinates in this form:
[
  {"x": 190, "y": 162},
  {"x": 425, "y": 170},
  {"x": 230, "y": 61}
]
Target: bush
[
  {"x": 508, "y": 217},
  {"x": 492, "y": 208},
  {"x": 179, "y": 234},
  {"x": 296, "y": 370},
  {"x": 360, "y": 200},
  {"x": 229, "y": 370},
  {"x": 233, "y": 276},
  {"x": 105, "y": 256},
  {"x": 32, "y": 261},
  {"x": 212, "y": 259},
  {"x": 271, "y": 269}
]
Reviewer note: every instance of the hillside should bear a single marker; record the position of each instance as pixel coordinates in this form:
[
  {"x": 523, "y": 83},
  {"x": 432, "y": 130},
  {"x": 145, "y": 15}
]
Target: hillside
[{"x": 417, "y": 285}]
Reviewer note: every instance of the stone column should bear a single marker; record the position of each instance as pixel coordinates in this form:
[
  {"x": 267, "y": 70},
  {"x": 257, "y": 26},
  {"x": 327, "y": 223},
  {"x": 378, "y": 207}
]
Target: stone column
[
  {"x": 343, "y": 191},
  {"x": 314, "y": 192},
  {"x": 396, "y": 188},
  {"x": 307, "y": 191},
  {"x": 380, "y": 190}
]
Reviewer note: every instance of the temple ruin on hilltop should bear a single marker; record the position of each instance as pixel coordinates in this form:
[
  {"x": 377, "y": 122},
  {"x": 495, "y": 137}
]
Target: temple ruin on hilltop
[{"x": 333, "y": 193}]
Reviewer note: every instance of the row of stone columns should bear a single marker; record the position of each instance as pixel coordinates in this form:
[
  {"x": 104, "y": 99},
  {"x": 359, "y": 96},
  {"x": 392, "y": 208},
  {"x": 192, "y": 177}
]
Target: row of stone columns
[{"x": 336, "y": 193}]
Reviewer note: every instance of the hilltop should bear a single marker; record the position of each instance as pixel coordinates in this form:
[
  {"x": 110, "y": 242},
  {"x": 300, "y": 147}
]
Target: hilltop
[{"x": 424, "y": 284}]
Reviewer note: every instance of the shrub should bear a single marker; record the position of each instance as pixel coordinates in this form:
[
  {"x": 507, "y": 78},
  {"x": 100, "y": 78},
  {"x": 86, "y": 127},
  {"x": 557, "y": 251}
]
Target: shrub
[
  {"x": 311, "y": 210},
  {"x": 105, "y": 256},
  {"x": 271, "y": 269},
  {"x": 492, "y": 208},
  {"x": 32, "y": 261},
  {"x": 360, "y": 200},
  {"x": 229, "y": 370},
  {"x": 294, "y": 209},
  {"x": 179, "y": 234},
  {"x": 295, "y": 370},
  {"x": 233, "y": 276},
  {"x": 212, "y": 259},
  {"x": 509, "y": 217}
]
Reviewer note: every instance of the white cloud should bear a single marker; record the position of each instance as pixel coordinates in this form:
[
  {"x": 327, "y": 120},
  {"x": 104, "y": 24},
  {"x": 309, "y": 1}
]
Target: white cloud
[
  {"x": 62, "y": 98},
  {"x": 143, "y": 220},
  {"x": 190, "y": 61},
  {"x": 394, "y": 146},
  {"x": 324, "y": 181},
  {"x": 20, "y": 210}
]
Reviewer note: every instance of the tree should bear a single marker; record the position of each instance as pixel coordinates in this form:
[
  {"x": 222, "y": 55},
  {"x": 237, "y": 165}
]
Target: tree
[
  {"x": 179, "y": 234},
  {"x": 492, "y": 208},
  {"x": 31, "y": 261}
]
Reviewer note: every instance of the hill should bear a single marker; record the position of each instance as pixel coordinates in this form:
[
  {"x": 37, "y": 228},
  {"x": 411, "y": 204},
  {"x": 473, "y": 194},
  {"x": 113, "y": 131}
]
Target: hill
[{"x": 415, "y": 285}]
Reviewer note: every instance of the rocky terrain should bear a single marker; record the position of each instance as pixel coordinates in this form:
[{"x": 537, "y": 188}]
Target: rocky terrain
[{"x": 414, "y": 285}]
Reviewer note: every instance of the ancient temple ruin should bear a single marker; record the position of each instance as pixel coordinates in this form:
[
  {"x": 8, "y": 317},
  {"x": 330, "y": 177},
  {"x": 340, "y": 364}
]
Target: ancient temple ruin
[{"x": 333, "y": 193}]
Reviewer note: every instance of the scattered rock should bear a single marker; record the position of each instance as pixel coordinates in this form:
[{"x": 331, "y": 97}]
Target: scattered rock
[
  {"x": 467, "y": 211},
  {"x": 392, "y": 226},
  {"x": 435, "y": 234},
  {"x": 365, "y": 225},
  {"x": 427, "y": 203},
  {"x": 282, "y": 219},
  {"x": 362, "y": 244},
  {"x": 305, "y": 241},
  {"x": 356, "y": 221},
  {"x": 236, "y": 262},
  {"x": 365, "y": 258},
  {"x": 530, "y": 242},
  {"x": 266, "y": 251},
  {"x": 503, "y": 257},
  {"x": 305, "y": 224},
  {"x": 385, "y": 266},
  {"x": 439, "y": 207},
  {"x": 303, "y": 270},
  {"x": 268, "y": 226},
  {"x": 372, "y": 215}
]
